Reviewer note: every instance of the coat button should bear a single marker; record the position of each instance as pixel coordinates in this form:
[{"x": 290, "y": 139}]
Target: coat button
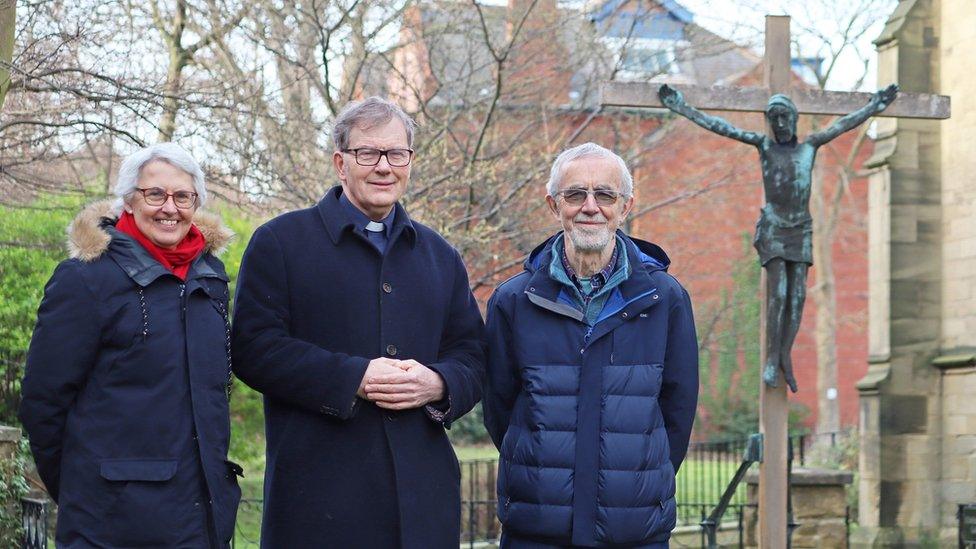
[
  {"x": 391, "y": 350},
  {"x": 624, "y": 315},
  {"x": 655, "y": 296},
  {"x": 387, "y": 287}
]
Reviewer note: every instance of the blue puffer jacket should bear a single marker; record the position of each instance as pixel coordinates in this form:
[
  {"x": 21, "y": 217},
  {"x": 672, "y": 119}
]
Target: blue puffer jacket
[{"x": 591, "y": 421}]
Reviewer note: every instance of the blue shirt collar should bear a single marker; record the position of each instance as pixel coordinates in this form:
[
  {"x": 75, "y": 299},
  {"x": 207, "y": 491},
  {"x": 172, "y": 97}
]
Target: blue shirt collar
[{"x": 599, "y": 278}]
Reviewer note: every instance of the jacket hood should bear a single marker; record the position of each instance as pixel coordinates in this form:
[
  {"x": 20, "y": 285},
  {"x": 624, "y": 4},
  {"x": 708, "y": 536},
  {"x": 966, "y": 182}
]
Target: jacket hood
[
  {"x": 651, "y": 256},
  {"x": 87, "y": 240}
]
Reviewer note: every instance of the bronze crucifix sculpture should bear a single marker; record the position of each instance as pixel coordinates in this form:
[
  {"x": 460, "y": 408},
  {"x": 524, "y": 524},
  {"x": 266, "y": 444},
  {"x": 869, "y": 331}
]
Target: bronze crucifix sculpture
[{"x": 784, "y": 232}]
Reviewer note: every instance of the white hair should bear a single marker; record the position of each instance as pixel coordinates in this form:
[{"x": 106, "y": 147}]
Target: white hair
[
  {"x": 588, "y": 150},
  {"x": 171, "y": 153}
]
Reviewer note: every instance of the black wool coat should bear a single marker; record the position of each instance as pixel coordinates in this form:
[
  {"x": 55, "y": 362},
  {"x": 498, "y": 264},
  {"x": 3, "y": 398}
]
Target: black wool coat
[
  {"x": 315, "y": 303},
  {"x": 124, "y": 398}
]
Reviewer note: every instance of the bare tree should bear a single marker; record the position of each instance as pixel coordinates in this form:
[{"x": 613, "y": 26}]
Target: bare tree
[
  {"x": 173, "y": 24},
  {"x": 61, "y": 106},
  {"x": 251, "y": 85}
]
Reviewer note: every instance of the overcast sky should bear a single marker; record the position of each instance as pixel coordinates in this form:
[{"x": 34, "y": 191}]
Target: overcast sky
[{"x": 743, "y": 21}]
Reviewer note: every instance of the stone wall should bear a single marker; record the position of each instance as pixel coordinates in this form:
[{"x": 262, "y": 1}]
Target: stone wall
[
  {"x": 958, "y": 460},
  {"x": 957, "y": 360},
  {"x": 819, "y": 508},
  {"x": 918, "y": 413},
  {"x": 900, "y": 402},
  {"x": 957, "y": 46},
  {"x": 9, "y": 439}
]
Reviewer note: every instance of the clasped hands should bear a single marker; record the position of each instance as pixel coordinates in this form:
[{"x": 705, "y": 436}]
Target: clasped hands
[{"x": 400, "y": 384}]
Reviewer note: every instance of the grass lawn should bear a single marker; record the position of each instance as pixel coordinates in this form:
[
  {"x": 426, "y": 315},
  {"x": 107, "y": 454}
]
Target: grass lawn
[
  {"x": 704, "y": 481},
  {"x": 465, "y": 453}
]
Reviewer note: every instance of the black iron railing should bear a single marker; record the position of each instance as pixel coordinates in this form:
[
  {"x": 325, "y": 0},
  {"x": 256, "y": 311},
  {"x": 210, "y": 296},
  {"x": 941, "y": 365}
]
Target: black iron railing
[
  {"x": 478, "y": 501},
  {"x": 734, "y": 519},
  {"x": 247, "y": 532},
  {"x": 705, "y": 474},
  {"x": 35, "y": 522},
  {"x": 967, "y": 526},
  {"x": 709, "y": 466}
]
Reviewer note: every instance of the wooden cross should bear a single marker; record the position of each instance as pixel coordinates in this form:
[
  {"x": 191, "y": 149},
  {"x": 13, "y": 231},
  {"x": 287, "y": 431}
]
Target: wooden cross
[{"x": 773, "y": 475}]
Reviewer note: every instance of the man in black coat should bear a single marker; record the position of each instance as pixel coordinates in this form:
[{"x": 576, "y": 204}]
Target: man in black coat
[{"x": 359, "y": 327}]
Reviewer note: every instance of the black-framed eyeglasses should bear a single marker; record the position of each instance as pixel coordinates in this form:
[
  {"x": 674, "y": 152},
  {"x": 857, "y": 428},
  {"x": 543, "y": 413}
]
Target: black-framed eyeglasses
[
  {"x": 603, "y": 197},
  {"x": 368, "y": 156},
  {"x": 154, "y": 196}
]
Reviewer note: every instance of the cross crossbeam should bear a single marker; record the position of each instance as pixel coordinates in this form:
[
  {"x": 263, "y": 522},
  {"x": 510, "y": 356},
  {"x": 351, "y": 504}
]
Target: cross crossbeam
[{"x": 808, "y": 101}]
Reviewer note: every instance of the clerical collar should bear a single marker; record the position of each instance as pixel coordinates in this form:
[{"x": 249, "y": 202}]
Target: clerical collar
[{"x": 363, "y": 222}]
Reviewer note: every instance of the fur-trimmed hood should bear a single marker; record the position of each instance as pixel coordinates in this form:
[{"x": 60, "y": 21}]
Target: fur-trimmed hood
[{"x": 87, "y": 240}]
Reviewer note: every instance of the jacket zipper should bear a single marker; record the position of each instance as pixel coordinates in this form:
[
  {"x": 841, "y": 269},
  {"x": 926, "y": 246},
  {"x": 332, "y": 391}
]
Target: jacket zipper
[
  {"x": 182, "y": 302},
  {"x": 624, "y": 306}
]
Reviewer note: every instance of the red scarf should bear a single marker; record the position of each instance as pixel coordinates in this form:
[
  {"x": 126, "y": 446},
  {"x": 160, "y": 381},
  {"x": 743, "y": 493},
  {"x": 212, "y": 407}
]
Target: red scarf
[{"x": 176, "y": 260}]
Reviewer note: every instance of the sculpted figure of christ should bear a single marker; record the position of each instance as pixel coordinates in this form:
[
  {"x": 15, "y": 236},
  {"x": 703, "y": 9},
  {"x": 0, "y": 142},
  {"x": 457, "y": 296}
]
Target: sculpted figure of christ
[{"x": 784, "y": 232}]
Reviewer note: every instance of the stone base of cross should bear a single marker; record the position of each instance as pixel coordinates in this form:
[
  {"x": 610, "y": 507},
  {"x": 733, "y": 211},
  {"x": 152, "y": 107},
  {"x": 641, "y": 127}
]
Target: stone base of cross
[{"x": 774, "y": 410}]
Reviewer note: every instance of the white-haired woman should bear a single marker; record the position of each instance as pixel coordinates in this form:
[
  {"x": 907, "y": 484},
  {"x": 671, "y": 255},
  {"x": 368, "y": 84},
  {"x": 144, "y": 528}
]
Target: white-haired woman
[{"x": 125, "y": 395}]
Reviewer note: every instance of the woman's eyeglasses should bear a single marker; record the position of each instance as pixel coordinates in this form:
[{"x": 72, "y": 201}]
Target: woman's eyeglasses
[{"x": 154, "y": 196}]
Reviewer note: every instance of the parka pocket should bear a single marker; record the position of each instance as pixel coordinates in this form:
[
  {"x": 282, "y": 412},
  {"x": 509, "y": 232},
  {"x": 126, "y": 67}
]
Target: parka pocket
[
  {"x": 144, "y": 488},
  {"x": 147, "y": 470}
]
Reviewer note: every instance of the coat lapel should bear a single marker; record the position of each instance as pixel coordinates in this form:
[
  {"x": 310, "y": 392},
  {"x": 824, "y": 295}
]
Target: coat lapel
[{"x": 338, "y": 223}]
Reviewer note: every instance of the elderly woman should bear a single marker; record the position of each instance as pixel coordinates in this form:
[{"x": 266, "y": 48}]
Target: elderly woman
[{"x": 125, "y": 399}]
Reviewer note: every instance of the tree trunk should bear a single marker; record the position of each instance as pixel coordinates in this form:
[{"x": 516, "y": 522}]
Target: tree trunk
[
  {"x": 352, "y": 65},
  {"x": 178, "y": 59},
  {"x": 825, "y": 298},
  {"x": 171, "y": 102},
  {"x": 8, "y": 15}
]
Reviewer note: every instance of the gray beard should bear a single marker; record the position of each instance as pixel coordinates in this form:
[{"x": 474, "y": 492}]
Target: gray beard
[{"x": 590, "y": 242}]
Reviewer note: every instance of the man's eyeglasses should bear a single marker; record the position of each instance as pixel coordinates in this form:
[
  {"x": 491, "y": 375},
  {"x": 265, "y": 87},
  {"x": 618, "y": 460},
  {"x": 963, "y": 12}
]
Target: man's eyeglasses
[
  {"x": 604, "y": 197},
  {"x": 154, "y": 196},
  {"x": 367, "y": 156}
]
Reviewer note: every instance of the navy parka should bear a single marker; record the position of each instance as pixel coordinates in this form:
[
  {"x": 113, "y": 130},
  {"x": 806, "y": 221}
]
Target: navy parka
[
  {"x": 316, "y": 301},
  {"x": 125, "y": 394},
  {"x": 591, "y": 421}
]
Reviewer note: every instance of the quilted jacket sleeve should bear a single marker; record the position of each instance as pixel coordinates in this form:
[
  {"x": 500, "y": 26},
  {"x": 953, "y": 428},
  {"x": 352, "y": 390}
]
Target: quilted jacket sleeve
[
  {"x": 502, "y": 381},
  {"x": 679, "y": 391}
]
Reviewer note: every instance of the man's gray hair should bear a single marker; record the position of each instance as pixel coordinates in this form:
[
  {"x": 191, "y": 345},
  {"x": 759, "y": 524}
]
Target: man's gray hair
[
  {"x": 368, "y": 113},
  {"x": 172, "y": 154},
  {"x": 588, "y": 150}
]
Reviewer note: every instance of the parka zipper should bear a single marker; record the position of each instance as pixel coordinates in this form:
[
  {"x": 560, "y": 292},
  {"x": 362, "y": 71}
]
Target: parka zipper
[{"x": 182, "y": 302}]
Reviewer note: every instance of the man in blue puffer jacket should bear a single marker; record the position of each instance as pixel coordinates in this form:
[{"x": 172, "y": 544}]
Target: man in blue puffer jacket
[{"x": 592, "y": 374}]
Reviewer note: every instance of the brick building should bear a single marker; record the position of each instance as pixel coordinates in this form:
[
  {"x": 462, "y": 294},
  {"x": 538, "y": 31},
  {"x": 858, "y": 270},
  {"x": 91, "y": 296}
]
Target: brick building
[{"x": 708, "y": 189}]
